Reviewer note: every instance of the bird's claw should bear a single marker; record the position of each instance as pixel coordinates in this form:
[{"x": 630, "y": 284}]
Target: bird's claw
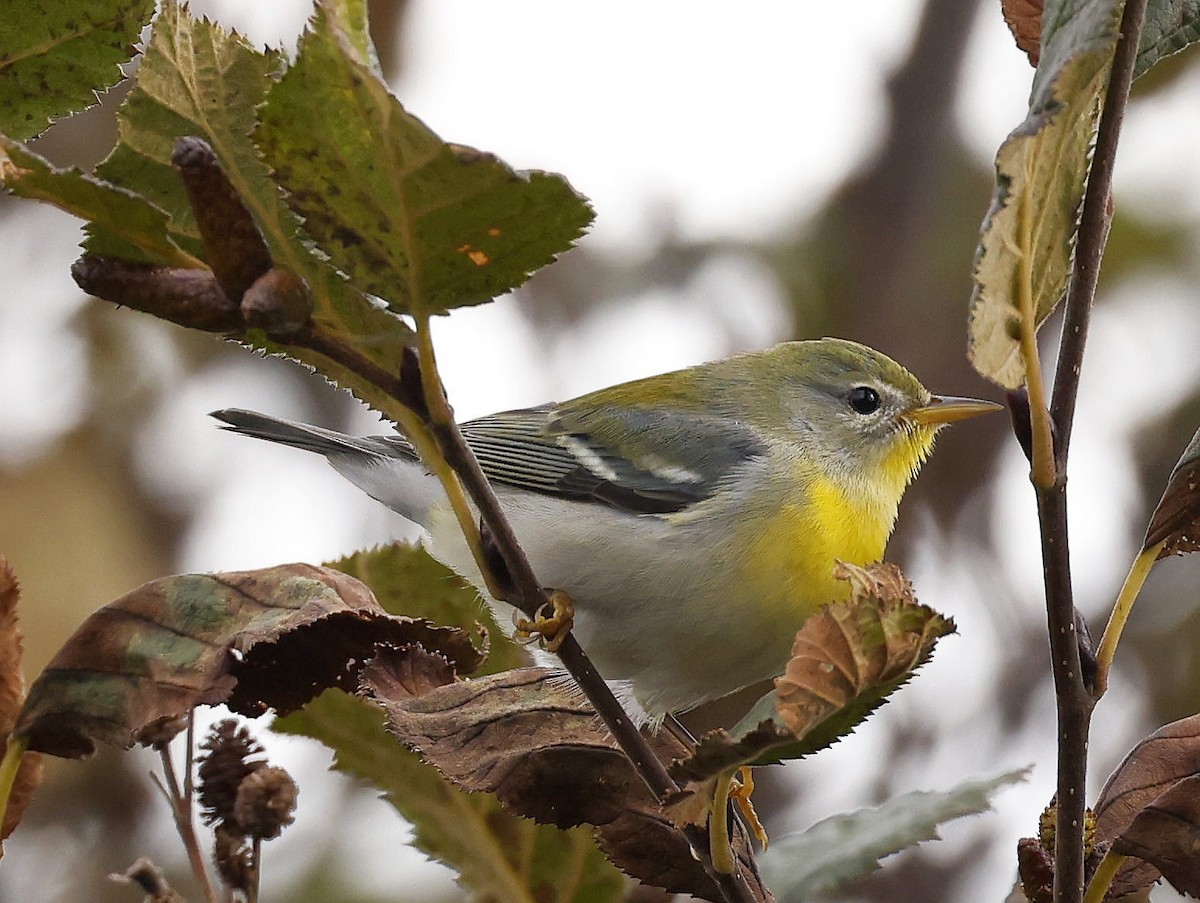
[
  {"x": 740, "y": 794},
  {"x": 550, "y": 625}
]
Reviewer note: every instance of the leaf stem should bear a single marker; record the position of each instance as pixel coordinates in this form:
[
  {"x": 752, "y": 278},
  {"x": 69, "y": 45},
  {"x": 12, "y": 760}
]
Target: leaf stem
[
  {"x": 1134, "y": 581},
  {"x": 1042, "y": 462},
  {"x": 14, "y": 751},
  {"x": 1106, "y": 871},
  {"x": 718, "y": 824}
]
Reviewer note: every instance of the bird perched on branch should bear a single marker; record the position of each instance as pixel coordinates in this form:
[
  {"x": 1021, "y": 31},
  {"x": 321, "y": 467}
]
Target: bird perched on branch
[{"x": 693, "y": 518}]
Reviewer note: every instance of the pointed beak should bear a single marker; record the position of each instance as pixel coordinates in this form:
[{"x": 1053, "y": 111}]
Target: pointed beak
[{"x": 943, "y": 409}]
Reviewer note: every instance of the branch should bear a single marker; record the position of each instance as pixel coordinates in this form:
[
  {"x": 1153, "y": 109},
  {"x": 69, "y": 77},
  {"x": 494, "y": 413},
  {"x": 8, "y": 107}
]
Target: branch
[
  {"x": 1073, "y": 696},
  {"x": 279, "y": 304},
  {"x": 1094, "y": 220},
  {"x": 524, "y": 589}
]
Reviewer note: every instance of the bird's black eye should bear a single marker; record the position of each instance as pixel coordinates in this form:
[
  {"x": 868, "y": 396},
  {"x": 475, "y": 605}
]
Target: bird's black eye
[{"x": 864, "y": 399}]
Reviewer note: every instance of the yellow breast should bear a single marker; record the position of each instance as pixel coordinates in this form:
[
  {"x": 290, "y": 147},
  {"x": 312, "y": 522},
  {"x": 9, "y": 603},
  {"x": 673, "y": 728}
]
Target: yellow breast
[{"x": 789, "y": 558}]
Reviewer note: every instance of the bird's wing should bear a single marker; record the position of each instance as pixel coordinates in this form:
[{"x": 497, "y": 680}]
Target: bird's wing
[{"x": 645, "y": 462}]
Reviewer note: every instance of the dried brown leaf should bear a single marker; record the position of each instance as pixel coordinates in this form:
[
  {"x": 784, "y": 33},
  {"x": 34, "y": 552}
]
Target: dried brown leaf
[
  {"x": 12, "y": 697},
  {"x": 846, "y": 660},
  {"x": 1176, "y": 519},
  {"x": 857, "y": 649},
  {"x": 531, "y": 738},
  {"x": 720, "y": 750},
  {"x": 1024, "y": 20},
  {"x": 1166, "y": 834},
  {"x": 1168, "y": 757},
  {"x": 12, "y": 685},
  {"x": 271, "y": 638}
]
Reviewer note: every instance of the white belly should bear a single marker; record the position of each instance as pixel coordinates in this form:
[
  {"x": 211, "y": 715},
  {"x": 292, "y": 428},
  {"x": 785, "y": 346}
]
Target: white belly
[{"x": 652, "y": 606}]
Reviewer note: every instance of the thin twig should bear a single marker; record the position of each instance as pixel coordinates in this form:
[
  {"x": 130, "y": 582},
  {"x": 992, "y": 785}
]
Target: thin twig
[
  {"x": 255, "y": 871},
  {"x": 1073, "y": 697},
  {"x": 530, "y": 596},
  {"x": 1094, "y": 221},
  {"x": 526, "y": 593},
  {"x": 1073, "y": 701},
  {"x": 181, "y": 811}
]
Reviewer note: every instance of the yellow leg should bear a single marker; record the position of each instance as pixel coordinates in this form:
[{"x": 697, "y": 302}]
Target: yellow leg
[
  {"x": 740, "y": 794},
  {"x": 549, "y": 628}
]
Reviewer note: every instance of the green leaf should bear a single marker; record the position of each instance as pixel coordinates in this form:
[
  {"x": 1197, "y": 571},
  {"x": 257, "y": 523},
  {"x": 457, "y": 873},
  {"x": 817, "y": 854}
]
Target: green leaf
[
  {"x": 1024, "y": 255},
  {"x": 407, "y": 580},
  {"x": 350, "y": 21},
  {"x": 849, "y": 846},
  {"x": 135, "y": 219},
  {"x": 498, "y": 855},
  {"x": 54, "y": 57},
  {"x": 426, "y": 225},
  {"x": 196, "y": 79},
  {"x": 1170, "y": 26}
]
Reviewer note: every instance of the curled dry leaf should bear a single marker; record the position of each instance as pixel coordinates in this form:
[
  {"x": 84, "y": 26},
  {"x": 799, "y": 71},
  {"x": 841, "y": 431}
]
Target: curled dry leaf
[
  {"x": 1167, "y": 834},
  {"x": 1176, "y": 519},
  {"x": 860, "y": 651},
  {"x": 1139, "y": 798},
  {"x": 1024, "y": 20},
  {"x": 846, "y": 660},
  {"x": 530, "y": 737},
  {"x": 12, "y": 695},
  {"x": 271, "y": 638}
]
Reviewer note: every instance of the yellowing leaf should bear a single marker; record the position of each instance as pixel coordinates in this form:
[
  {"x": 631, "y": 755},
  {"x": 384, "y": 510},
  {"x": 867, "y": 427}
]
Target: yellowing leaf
[{"x": 1025, "y": 249}]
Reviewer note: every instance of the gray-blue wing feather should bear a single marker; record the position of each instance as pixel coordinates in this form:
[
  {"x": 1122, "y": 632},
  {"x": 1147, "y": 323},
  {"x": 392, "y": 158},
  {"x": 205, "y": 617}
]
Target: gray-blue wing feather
[
  {"x": 645, "y": 462},
  {"x": 607, "y": 454}
]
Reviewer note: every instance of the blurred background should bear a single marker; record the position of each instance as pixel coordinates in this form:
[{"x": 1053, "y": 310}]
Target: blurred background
[{"x": 794, "y": 170}]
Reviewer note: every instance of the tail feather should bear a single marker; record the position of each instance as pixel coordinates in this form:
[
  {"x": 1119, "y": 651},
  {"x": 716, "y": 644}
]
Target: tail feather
[{"x": 287, "y": 432}]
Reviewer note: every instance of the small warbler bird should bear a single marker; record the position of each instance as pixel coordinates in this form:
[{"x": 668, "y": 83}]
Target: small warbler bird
[{"x": 694, "y": 518}]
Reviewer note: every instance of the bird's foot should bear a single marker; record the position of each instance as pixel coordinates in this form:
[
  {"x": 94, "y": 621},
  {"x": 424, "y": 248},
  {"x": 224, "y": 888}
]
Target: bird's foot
[
  {"x": 551, "y": 624},
  {"x": 740, "y": 794}
]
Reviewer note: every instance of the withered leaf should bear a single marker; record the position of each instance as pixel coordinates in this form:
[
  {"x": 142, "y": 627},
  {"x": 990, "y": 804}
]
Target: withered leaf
[
  {"x": 846, "y": 660},
  {"x": 271, "y": 638},
  {"x": 1166, "y": 834},
  {"x": 1024, "y": 20},
  {"x": 12, "y": 695},
  {"x": 1167, "y": 757},
  {"x": 853, "y": 655},
  {"x": 531, "y": 738},
  {"x": 1176, "y": 519}
]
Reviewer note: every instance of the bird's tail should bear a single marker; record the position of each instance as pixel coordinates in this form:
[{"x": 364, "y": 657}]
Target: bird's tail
[{"x": 287, "y": 432}]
